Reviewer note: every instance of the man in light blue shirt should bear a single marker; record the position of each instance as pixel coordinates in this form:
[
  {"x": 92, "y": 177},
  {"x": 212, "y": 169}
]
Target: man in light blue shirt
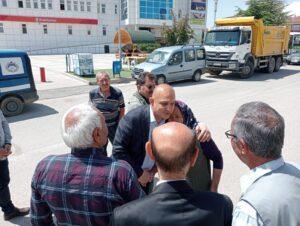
[{"x": 271, "y": 191}]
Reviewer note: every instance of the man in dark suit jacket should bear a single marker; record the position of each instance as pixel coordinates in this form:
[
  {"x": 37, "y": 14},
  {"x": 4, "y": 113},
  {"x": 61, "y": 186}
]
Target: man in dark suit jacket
[
  {"x": 173, "y": 202},
  {"x": 134, "y": 129}
]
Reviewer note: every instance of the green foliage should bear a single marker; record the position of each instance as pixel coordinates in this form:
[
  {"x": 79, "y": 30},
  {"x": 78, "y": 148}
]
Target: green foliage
[
  {"x": 271, "y": 11},
  {"x": 179, "y": 33},
  {"x": 148, "y": 47}
]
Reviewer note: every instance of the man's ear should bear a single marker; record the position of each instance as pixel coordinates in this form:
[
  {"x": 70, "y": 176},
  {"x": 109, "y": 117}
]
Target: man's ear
[
  {"x": 151, "y": 100},
  {"x": 242, "y": 146},
  {"x": 149, "y": 150},
  {"x": 194, "y": 157},
  {"x": 96, "y": 135}
]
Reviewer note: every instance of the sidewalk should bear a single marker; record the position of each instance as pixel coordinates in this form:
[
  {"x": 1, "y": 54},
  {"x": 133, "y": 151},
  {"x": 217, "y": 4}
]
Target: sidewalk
[{"x": 55, "y": 68}]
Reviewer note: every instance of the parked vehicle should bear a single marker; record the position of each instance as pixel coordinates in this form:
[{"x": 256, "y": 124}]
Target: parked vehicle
[
  {"x": 173, "y": 63},
  {"x": 243, "y": 44},
  {"x": 293, "y": 57},
  {"x": 294, "y": 49},
  {"x": 16, "y": 82}
]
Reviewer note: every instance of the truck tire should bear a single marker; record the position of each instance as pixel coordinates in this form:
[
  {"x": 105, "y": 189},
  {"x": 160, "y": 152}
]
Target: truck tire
[
  {"x": 11, "y": 106},
  {"x": 160, "y": 79},
  {"x": 214, "y": 72},
  {"x": 278, "y": 64},
  {"x": 248, "y": 70},
  {"x": 197, "y": 76},
  {"x": 271, "y": 66}
]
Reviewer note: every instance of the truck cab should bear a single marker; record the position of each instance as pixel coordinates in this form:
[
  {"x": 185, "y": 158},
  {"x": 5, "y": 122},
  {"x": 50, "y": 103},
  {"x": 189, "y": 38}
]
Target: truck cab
[{"x": 16, "y": 82}]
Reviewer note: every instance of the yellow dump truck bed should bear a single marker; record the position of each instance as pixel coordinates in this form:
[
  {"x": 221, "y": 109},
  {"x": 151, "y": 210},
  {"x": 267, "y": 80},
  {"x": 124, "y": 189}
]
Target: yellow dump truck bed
[{"x": 266, "y": 40}]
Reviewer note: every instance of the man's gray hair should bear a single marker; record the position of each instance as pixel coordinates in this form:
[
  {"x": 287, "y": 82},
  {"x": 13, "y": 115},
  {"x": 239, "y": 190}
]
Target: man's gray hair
[
  {"x": 79, "y": 134},
  {"x": 102, "y": 73},
  {"x": 261, "y": 127}
]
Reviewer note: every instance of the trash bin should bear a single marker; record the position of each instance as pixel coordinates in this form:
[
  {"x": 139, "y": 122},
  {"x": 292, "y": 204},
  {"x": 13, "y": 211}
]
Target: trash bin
[
  {"x": 117, "y": 67},
  {"x": 83, "y": 64}
]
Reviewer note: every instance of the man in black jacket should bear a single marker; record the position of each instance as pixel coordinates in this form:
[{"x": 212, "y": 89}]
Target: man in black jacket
[{"x": 173, "y": 202}]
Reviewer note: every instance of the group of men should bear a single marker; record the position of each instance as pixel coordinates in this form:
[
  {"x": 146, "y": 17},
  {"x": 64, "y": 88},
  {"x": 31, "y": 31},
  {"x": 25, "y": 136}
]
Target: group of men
[{"x": 85, "y": 187}]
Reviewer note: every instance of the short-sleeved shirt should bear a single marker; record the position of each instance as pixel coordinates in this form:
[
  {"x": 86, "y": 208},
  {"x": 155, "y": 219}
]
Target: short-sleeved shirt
[{"x": 109, "y": 106}]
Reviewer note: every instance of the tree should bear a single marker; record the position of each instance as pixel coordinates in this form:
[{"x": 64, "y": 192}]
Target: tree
[
  {"x": 271, "y": 11},
  {"x": 179, "y": 33}
]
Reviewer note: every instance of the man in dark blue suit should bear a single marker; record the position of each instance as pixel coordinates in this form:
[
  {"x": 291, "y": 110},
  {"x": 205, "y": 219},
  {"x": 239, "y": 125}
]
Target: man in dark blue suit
[
  {"x": 173, "y": 201},
  {"x": 135, "y": 128}
]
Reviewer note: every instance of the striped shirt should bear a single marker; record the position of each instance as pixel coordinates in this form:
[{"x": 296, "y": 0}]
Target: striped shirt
[
  {"x": 81, "y": 188},
  {"x": 109, "y": 106}
]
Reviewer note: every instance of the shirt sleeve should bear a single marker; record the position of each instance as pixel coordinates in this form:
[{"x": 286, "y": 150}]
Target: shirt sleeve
[
  {"x": 5, "y": 126},
  {"x": 245, "y": 215},
  {"x": 40, "y": 212},
  {"x": 121, "y": 100},
  {"x": 212, "y": 152}
]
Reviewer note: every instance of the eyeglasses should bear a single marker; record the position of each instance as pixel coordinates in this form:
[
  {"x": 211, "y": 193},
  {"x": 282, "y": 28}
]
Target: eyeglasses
[
  {"x": 229, "y": 135},
  {"x": 150, "y": 87}
]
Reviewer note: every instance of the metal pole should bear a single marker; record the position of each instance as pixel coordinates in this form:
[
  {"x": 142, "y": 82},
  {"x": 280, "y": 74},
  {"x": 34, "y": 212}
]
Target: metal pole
[
  {"x": 215, "y": 11},
  {"x": 119, "y": 33}
]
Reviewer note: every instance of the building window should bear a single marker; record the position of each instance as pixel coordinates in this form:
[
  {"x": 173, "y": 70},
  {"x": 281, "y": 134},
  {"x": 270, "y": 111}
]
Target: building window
[
  {"x": 70, "y": 31},
  {"x": 116, "y": 9},
  {"x": 124, "y": 10},
  {"x": 104, "y": 30},
  {"x": 88, "y": 6},
  {"x": 28, "y": 4},
  {"x": 98, "y": 7},
  {"x": 20, "y": 4},
  {"x": 24, "y": 29},
  {"x": 1, "y": 28},
  {"x": 69, "y": 5},
  {"x": 49, "y": 4},
  {"x": 156, "y": 9},
  {"x": 103, "y": 8},
  {"x": 35, "y": 4},
  {"x": 81, "y": 6},
  {"x": 43, "y": 4},
  {"x": 4, "y": 3},
  {"x": 89, "y": 32},
  {"x": 45, "y": 28},
  {"x": 179, "y": 14},
  {"x": 62, "y": 4},
  {"x": 75, "y": 4}
]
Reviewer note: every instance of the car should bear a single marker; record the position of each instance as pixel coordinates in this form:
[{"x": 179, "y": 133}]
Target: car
[
  {"x": 173, "y": 63},
  {"x": 294, "y": 57}
]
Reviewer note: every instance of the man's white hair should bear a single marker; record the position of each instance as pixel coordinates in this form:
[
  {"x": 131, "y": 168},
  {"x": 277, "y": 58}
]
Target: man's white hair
[{"x": 80, "y": 133}]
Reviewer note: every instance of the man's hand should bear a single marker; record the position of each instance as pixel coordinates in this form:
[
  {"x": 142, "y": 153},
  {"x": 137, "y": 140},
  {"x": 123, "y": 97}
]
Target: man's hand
[
  {"x": 145, "y": 178},
  {"x": 4, "y": 153},
  {"x": 202, "y": 132},
  {"x": 7, "y": 147}
]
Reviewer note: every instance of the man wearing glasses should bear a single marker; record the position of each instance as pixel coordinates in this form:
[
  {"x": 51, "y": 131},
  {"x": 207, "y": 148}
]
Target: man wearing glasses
[
  {"x": 270, "y": 192},
  {"x": 145, "y": 84}
]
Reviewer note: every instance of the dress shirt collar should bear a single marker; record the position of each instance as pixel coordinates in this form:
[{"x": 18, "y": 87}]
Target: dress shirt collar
[
  {"x": 166, "y": 181},
  {"x": 152, "y": 118},
  {"x": 85, "y": 152},
  {"x": 247, "y": 180}
]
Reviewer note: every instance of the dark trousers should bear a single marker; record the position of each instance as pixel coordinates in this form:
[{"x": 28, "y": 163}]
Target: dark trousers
[
  {"x": 5, "y": 201},
  {"x": 111, "y": 136}
]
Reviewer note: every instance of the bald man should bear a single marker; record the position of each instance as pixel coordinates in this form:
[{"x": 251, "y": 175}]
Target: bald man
[
  {"x": 135, "y": 129},
  {"x": 173, "y": 202}
]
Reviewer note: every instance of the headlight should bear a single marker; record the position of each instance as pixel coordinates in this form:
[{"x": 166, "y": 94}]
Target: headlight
[{"x": 235, "y": 56}]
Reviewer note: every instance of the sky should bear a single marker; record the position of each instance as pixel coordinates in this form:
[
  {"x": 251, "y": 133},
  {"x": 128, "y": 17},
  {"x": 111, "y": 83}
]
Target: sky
[{"x": 227, "y": 8}]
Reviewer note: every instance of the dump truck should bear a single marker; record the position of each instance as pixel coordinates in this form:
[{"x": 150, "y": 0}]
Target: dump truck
[{"x": 245, "y": 44}]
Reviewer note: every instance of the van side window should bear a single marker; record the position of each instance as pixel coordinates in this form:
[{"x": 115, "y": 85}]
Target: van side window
[
  {"x": 189, "y": 55},
  {"x": 176, "y": 58},
  {"x": 200, "y": 54}
]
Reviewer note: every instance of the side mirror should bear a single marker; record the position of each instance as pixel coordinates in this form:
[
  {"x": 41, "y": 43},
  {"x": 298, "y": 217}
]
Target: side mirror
[{"x": 248, "y": 41}]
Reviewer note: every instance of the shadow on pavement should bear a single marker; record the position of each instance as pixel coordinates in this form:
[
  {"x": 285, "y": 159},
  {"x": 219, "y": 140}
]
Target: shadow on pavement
[
  {"x": 191, "y": 83},
  {"x": 22, "y": 221},
  {"x": 258, "y": 76},
  {"x": 31, "y": 111}
]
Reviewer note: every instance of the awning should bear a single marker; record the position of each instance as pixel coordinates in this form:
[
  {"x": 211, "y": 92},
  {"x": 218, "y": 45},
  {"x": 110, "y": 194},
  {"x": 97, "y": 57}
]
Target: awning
[{"x": 132, "y": 36}]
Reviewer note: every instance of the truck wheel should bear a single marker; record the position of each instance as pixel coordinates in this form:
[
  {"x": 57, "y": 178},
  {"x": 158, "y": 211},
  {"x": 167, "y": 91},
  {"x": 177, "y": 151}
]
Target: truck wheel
[
  {"x": 160, "y": 79},
  {"x": 214, "y": 72},
  {"x": 271, "y": 65},
  {"x": 11, "y": 106},
  {"x": 197, "y": 76},
  {"x": 278, "y": 64},
  {"x": 248, "y": 70}
]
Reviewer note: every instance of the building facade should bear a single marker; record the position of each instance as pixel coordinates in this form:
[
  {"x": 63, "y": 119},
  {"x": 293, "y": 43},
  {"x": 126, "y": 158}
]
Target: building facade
[{"x": 69, "y": 26}]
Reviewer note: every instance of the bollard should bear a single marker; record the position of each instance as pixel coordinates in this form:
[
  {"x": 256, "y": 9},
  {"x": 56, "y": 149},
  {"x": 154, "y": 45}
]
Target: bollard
[{"x": 43, "y": 74}]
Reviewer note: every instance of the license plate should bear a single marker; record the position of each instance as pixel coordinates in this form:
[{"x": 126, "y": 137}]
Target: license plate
[
  {"x": 217, "y": 64},
  {"x": 294, "y": 61}
]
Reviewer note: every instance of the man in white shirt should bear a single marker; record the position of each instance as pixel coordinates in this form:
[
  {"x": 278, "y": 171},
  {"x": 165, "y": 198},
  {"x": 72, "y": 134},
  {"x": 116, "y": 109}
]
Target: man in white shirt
[{"x": 270, "y": 192}]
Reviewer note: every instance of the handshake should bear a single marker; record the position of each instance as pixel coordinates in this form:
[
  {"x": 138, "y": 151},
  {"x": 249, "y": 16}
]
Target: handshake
[
  {"x": 147, "y": 176},
  {"x": 5, "y": 151}
]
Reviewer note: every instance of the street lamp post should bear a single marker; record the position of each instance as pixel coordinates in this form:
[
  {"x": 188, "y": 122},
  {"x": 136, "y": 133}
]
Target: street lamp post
[
  {"x": 119, "y": 32},
  {"x": 215, "y": 11}
]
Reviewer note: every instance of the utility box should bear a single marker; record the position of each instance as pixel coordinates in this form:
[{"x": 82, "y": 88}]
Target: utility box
[
  {"x": 83, "y": 64},
  {"x": 117, "y": 67}
]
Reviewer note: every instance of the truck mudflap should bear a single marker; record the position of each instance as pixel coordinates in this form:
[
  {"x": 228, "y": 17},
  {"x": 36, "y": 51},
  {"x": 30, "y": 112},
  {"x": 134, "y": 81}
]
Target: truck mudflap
[{"x": 225, "y": 65}]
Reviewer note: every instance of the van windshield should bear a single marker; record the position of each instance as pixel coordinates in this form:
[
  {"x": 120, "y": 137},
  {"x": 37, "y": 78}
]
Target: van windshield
[
  {"x": 158, "y": 57},
  {"x": 220, "y": 38}
]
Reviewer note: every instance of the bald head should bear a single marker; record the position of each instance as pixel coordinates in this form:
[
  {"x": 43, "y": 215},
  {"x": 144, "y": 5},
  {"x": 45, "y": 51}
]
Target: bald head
[
  {"x": 162, "y": 101},
  {"x": 173, "y": 146}
]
